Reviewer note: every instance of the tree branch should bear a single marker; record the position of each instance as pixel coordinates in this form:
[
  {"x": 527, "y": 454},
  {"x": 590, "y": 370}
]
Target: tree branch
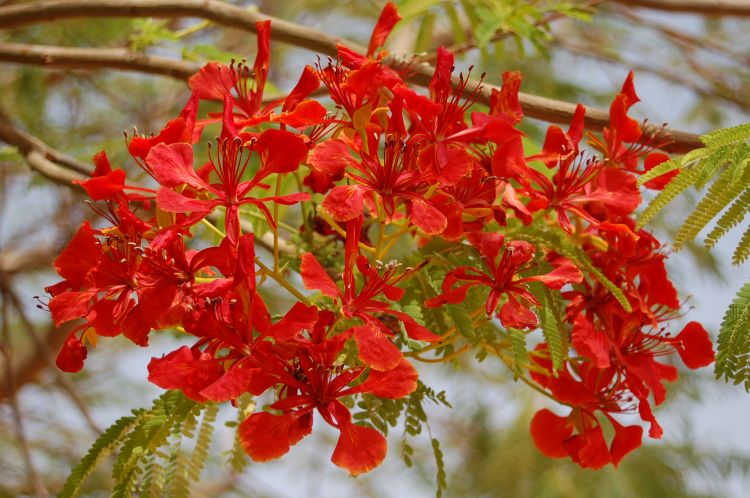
[
  {"x": 96, "y": 58},
  {"x": 48, "y": 162},
  {"x": 706, "y": 7},
  {"x": 236, "y": 17}
]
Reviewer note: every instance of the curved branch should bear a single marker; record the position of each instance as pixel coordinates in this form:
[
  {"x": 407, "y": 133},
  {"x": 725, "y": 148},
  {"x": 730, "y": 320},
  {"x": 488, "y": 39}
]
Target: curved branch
[
  {"x": 96, "y": 58},
  {"x": 232, "y": 16},
  {"x": 220, "y": 12},
  {"x": 43, "y": 156},
  {"x": 706, "y": 7}
]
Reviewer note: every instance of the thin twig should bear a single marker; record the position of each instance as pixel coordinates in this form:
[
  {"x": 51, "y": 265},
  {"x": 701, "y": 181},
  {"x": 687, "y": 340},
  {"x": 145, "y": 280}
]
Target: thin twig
[{"x": 705, "y": 7}]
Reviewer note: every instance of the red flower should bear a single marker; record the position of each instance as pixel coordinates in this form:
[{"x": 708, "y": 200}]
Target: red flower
[
  {"x": 280, "y": 152},
  {"x": 311, "y": 380},
  {"x": 502, "y": 279},
  {"x": 388, "y": 183},
  {"x": 439, "y": 131},
  {"x": 375, "y": 347},
  {"x": 579, "y": 435}
]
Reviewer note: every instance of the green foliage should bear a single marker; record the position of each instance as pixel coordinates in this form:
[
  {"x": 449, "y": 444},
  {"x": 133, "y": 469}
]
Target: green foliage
[
  {"x": 101, "y": 449},
  {"x": 518, "y": 348},
  {"x": 383, "y": 414},
  {"x": 556, "y": 239},
  {"x": 488, "y": 20},
  {"x": 151, "y": 460},
  {"x": 440, "y": 477},
  {"x": 733, "y": 348},
  {"x": 552, "y": 328},
  {"x": 724, "y": 159},
  {"x": 150, "y": 32},
  {"x": 238, "y": 457}
]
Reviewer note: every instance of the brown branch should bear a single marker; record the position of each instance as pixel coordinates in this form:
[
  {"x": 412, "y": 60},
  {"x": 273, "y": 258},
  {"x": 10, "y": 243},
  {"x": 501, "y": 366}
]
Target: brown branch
[
  {"x": 43, "y": 159},
  {"x": 705, "y": 7},
  {"x": 66, "y": 169},
  {"x": 232, "y": 16},
  {"x": 217, "y": 11},
  {"x": 96, "y": 58}
]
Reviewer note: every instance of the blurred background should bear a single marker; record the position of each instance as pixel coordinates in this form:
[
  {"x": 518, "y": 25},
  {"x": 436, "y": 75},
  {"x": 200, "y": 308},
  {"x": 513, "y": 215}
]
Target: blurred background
[{"x": 692, "y": 71}]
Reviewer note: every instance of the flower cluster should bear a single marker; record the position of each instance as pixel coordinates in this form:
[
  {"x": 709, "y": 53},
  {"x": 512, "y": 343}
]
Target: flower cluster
[{"x": 386, "y": 166}]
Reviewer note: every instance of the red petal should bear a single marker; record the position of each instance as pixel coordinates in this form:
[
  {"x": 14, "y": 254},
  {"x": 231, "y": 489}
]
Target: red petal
[
  {"x": 306, "y": 113},
  {"x": 440, "y": 84},
  {"x": 80, "y": 256},
  {"x": 589, "y": 342},
  {"x": 267, "y": 437},
  {"x": 387, "y": 20},
  {"x": 308, "y": 82},
  {"x": 314, "y": 277},
  {"x": 172, "y": 202},
  {"x": 694, "y": 346},
  {"x": 505, "y": 102},
  {"x": 173, "y": 132},
  {"x": 375, "y": 349},
  {"x": 72, "y": 355},
  {"x": 359, "y": 449},
  {"x": 185, "y": 369},
  {"x": 263, "y": 56},
  {"x": 549, "y": 432},
  {"x": 281, "y": 151},
  {"x": 300, "y": 317},
  {"x": 487, "y": 243},
  {"x": 427, "y": 217},
  {"x": 626, "y": 440},
  {"x": 173, "y": 165},
  {"x": 234, "y": 383},
  {"x": 106, "y": 186},
  {"x": 647, "y": 415},
  {"x": 344, "y": 202},
  {"x": 589, "y": 450},
  {"x": 395, "y": 383},
  {"x": 213, "y": 81},
  {"x": 331, "y": 157},
  {"x": 413, "y": 329},
  {"x": 627, "y": 128},
  {"x": 566, "y": 273},
  {"x": 652, "y": 160},
  {"x": 628, "y": 89},
  {"x": 514, "y": 314},
  {"x": 70, "y": 305}
]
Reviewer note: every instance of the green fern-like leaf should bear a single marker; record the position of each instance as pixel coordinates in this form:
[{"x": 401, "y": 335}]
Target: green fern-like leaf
[
  {"x": 104, "y": 446},
  {"x": 742, "y": 251},
  {"x": 659, "y": 170},
  {"x": 441, "y": 479},
  {"x": 203, "y": 442},
  {"x": 726, "y": 136},
  {"x": 681, "y": 182},
  {"x": 552, "y": 329},
  {"x": 733, "y": 346},
  {"x": 557, "y": 240},
  {"x": 719, "y": 195},
  {"x": 520, "y": 353},
  {"x": 730, "y": 219}
]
